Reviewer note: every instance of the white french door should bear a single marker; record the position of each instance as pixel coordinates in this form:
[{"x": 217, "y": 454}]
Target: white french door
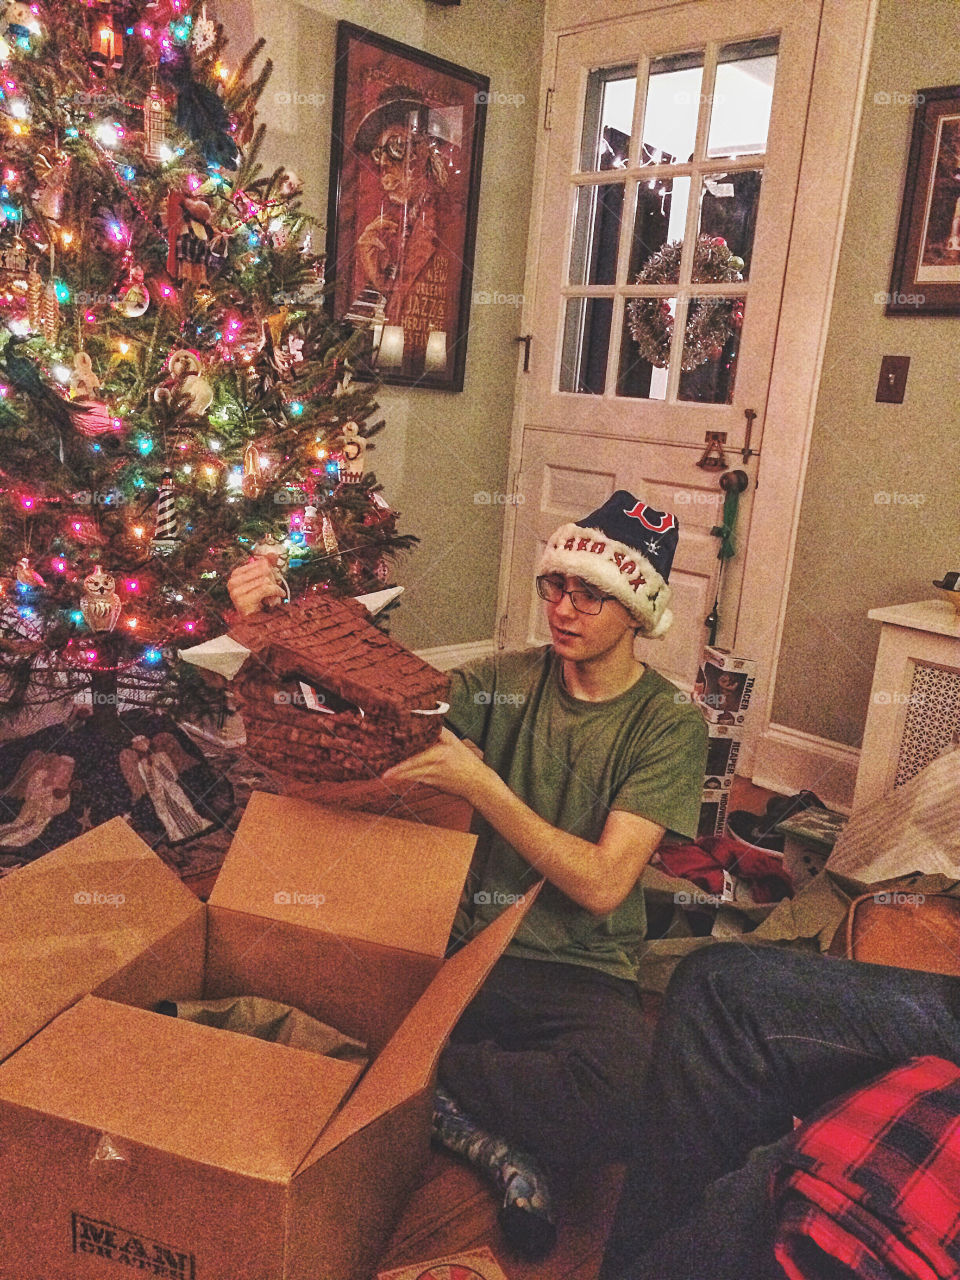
[{"x": 672, "y": 163}]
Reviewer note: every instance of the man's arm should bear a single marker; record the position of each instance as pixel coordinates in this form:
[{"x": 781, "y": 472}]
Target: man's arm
[{"x": 595, "y": 876}]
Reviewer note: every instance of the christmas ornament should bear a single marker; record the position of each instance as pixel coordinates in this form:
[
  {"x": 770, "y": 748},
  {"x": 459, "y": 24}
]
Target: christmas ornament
[
  {"x": 342, "y": 386},
  {"x": 21, "y": 373},
  {"x": 34, "y": 297},
  {"x": 95, "y": 419},
  {"x": 100, "y": 604},
  {"x": 202, "y": 115},
  {"x": 156, "y": 119},
  {"x": 194, "y": 244},
  {"x": 252, "y": 483},
  {"x": 329, "y": 537},
  {"x": 83, "y": 381},
  {"x": 50, "y": 313},
  {"x": 26, "y": 576},
  {"x": 380, "y": 511},
  {"x": 279, "y": 233},
  {"x": 354, "y": 448},
  {"x": 134, "y": 298},
  {"x": 51, "y": 194},
  {"x": 710, "y": 320},
  {"x": 106, "y": 42},
  {"x": 291, "y": 184},
  {"x": 204, "y": 32},
  {"x": 279, "y": 356},
  {"x": 13, "y": 262},
  {"x": 19, "y": 23},
  {"x": 310, "y": 525},
  {"x": 186, "y": 376},
  {"x": 166, "y": 536}
]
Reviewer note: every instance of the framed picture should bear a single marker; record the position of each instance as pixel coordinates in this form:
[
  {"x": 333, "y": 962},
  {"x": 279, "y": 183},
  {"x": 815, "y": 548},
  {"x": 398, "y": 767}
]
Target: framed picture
[
  {"x": 926, "y": 267},
  {"x": 402, "y": 216}
]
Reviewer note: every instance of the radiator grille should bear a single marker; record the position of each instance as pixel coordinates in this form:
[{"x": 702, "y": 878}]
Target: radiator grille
[{"x": 932, "y": 719}]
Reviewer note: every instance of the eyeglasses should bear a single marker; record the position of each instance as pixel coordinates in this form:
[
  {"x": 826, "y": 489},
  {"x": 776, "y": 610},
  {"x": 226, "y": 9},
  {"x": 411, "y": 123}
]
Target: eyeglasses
[{"x": 551, "y": 590}]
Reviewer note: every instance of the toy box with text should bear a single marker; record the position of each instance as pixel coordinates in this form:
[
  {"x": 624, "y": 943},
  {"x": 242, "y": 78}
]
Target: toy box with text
[
  {"x": 136, "y": 1142},
  {"x": 723, "y": 751},
  {"x": 724, "y": 686},
  {"x": 714, "y": 803}
]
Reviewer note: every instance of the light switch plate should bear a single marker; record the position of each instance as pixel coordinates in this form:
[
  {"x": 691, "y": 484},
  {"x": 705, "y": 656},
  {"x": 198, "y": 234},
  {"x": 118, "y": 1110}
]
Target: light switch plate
[{"x": 893, "y": 379}]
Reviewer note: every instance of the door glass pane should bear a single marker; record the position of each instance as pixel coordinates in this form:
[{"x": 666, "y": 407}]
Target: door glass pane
[
  {"x": 711, "y": 345},
  {"x": 608, "y": 118},
  {"x": 645, "y": 348},
  {"x": 586, "y": 336},
  {"x": 660, "y": 218},
  {"x": 596, "y": 234},
  {"x": 742, "y": 96},
  {"x": 673, "y": 103},
  {"x": 728, "y": 210}
]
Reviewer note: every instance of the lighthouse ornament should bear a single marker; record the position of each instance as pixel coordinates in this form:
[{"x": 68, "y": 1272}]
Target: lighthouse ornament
[
  {"x": 165, "y": 539},
  {"x": 100, "y": 604}
]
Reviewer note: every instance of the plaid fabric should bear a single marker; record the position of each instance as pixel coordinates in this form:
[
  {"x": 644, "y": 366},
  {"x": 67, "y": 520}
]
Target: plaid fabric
[{"x": 870, "y": 1187}]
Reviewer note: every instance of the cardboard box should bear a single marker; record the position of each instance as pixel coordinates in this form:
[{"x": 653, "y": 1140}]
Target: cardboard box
[
  {"x": 134, "y": 1143},
  {"x": 724, "y": 686},
  {"x": 808, "y": 840},
  {"x": 478, "y": 1264},
  {"x": 723, "y": 751}
]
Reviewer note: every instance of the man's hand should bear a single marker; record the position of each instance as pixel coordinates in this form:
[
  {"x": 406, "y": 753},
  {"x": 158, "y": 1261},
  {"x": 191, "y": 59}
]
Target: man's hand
[
  {"x": 376, "y": 248},
  {"x": 597, "y": 876},
  {"x": 253, "y": 585},
  {"x": 451, "y": 765}
]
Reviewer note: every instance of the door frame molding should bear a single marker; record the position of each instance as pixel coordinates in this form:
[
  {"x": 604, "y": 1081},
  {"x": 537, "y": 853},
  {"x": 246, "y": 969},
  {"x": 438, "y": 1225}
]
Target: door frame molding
[{"x": 840, "y": 68}]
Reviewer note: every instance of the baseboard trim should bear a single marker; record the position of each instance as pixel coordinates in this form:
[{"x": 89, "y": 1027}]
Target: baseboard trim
[
  {"x": 788, "y": 761},
  {"x": 446, "y": 656}
]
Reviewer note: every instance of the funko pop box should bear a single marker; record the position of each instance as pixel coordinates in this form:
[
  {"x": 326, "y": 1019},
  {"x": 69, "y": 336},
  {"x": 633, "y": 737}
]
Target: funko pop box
[
  {"x": 139, "y": 1144},
  {"x": 724, "y": 686}
]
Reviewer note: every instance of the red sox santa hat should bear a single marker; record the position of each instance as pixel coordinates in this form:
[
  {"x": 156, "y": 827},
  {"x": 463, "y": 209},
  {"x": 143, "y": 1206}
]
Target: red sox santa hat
[{"x": 626, "y": 549}]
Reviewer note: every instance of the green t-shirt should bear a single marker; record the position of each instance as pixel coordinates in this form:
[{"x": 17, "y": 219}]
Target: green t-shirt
[{"x": 643, "y": 751}]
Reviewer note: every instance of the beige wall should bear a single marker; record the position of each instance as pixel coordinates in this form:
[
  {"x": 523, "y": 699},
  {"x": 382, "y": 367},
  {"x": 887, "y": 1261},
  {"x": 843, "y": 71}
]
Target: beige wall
[
  {"x": 855, "y": 550},
  {"x": 438, "y": 448}
]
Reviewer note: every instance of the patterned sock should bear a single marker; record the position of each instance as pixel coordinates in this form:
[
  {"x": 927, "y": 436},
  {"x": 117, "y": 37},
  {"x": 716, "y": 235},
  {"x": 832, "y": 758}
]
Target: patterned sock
[{"x": 526, "y": 1216}]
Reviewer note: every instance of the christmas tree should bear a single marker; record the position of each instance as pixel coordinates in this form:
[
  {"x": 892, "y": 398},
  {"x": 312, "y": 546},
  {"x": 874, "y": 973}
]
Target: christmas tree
[{"x": 172, "y": 393}]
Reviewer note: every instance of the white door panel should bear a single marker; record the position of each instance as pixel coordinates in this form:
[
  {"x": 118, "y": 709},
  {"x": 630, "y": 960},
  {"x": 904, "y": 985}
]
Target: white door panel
[
  {"x": 665, "y": 126},
  {"x": 565, "y": 479}
]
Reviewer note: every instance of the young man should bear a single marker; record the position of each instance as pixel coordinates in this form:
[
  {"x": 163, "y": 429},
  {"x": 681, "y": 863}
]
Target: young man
[{"x": 589, "y": 756}]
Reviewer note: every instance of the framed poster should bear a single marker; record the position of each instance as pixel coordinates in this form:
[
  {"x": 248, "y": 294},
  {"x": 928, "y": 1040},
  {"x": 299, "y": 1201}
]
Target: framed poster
[
  {"x": 926, "y": 267},
  {"x": 402, "y": 217}
]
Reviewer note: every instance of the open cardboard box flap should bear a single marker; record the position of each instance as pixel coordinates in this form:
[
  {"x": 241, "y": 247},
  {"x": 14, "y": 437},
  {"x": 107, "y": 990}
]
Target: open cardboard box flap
[
  {"x": 356, "y": 875},
  {"x": 194, "y": 1091},
  {"x": 406, "y": 1064},
  {"x": 77, "y": 917}
]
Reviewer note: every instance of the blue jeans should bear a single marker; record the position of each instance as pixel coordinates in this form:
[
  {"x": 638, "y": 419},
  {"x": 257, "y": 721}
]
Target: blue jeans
[
  {"x": 550, "y": 1056},
  {"x": 750, "y": 1037}
]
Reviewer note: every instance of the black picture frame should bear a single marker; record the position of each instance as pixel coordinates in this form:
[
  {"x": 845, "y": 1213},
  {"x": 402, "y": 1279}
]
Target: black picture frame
[
  {"x": 405, "y": 162},
  {"x": 925, "y": 279}
]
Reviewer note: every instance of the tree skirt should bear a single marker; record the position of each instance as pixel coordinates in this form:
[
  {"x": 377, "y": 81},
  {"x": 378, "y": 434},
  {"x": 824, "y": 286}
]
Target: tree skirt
[
  {"x": 219, "y": 782},
  {"x": 68, "y": 778}
]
